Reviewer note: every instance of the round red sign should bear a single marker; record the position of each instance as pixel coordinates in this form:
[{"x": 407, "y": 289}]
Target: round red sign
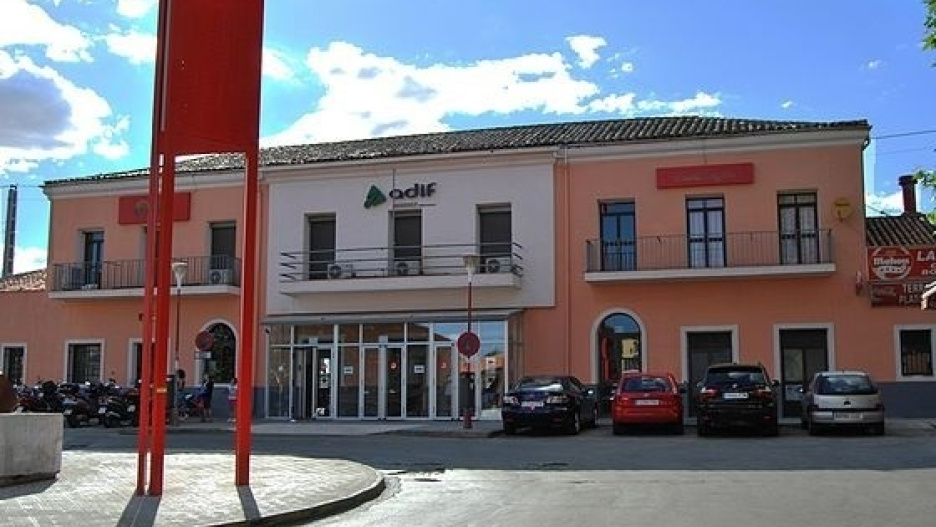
[
  {"x": 204, "y": 341},
  {"x": 891, "y": 263},
  {"x": 468, "y": 344}
]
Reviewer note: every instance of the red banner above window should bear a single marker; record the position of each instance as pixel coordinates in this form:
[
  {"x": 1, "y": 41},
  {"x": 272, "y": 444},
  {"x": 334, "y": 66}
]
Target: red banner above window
[{"x": 705, "y": 175}]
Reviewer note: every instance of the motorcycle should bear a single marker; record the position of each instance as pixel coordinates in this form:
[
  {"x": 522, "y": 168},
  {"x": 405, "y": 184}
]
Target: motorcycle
[
  {"x": 120, "y": 407},
  {"x": 81, "y": 405}
]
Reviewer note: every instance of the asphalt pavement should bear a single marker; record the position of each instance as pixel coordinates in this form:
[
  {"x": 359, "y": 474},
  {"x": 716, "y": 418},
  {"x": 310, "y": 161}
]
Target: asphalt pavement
[{"x": 99, "y": 489}]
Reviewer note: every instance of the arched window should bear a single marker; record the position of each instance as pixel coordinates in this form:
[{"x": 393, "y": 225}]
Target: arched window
[
  {"x": 223, "y": 363},
  {"x": 619, "y": 347}
]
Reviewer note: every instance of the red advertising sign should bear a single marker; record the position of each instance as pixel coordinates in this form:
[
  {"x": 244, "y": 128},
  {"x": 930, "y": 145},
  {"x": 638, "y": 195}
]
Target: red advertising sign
[
  {"x": 897, "y": 294},
  {"x": 892, "y": 264},
  {"x": 131, "y": 210},
  {"x": 705, "y": 175}
]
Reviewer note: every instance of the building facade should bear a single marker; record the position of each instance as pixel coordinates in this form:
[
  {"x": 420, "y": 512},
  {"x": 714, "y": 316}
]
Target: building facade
[{"x": 650, "y": 244}]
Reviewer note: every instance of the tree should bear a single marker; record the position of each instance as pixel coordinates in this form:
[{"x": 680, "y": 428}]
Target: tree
[{"x": 929, "y": 35}]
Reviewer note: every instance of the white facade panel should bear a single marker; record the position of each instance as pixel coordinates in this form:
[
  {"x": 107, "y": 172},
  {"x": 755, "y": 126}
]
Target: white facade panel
[{"x": 449, "y": 216}]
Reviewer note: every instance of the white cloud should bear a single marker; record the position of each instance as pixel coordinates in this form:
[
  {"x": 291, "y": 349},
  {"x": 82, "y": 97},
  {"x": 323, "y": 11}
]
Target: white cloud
[
  {"x": 874, "y": 64},
  {"x": 627, "y": 67},
  {"x": 880, "y": 204},
  {"x": 138, "y": 48},
  {"x": 48, "y": 117},
  {"x": 27, "y": 259},
  {"x": 368, "y": 95},
  {"x": 275, "y": 65},
  {"x": 134, "y": 8},
  {"x": 586, "y": 47},
  {"x": 27, "y": 25},
  {"x": 786, "y": 105}
]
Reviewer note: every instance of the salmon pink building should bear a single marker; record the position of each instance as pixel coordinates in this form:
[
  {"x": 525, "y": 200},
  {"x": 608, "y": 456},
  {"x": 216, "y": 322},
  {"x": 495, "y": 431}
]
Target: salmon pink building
[{"x": 589, "y": 248}]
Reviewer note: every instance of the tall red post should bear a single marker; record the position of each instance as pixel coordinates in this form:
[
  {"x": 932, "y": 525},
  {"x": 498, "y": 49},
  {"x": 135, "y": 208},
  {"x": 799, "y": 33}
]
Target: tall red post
[{"x": 248, "y": 321}]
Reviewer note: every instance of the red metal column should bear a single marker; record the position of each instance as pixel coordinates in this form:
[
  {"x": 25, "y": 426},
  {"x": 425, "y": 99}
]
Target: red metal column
[{"x": 248, "y": 321}]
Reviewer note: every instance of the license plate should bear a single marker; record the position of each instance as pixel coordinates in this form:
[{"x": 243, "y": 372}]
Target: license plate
[
  {"x": 846, "y": 416},
  {"x": 531, "y": 404},
  {"x": 68, "y": 411},
  {"x": 131, "y": 408},
  {"x": 647, "y": 402},
  {"x": 735, "y": 395},
  {"x": 102, "y": 410}
]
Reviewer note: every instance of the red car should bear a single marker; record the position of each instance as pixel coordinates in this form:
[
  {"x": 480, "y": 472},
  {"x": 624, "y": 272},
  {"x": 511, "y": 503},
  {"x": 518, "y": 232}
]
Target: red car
[{"x": 647, "y": 399}]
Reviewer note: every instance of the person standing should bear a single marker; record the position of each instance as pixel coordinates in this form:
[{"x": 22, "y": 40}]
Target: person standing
[
  {"x": 205, "y": 394},
  {"x": 232, "y": 401}
]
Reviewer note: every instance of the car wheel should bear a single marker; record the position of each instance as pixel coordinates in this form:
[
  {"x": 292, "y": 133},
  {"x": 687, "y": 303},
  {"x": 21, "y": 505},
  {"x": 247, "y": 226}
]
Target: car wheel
[
  {"x": 679, "y": 428},
  {"x": 879, "y": 429},
  {"x": 813, "y": 428},
  {"x": 574, "y": 426},
  {"x": 510, "y": 429},
  {"x": 618, "y": 429}
]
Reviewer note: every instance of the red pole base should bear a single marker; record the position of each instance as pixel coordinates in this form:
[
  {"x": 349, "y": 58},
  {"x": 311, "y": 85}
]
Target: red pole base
[{"x": 466, "y": 418}]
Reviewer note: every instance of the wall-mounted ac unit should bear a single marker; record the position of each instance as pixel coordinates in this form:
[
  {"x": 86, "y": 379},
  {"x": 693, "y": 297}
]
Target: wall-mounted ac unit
[
  {"x": 407, "y": 267},
  {"x": 220, "y": 276},
  {"x": 497, "y": 265},
  {"x": 337, "y": 270}
]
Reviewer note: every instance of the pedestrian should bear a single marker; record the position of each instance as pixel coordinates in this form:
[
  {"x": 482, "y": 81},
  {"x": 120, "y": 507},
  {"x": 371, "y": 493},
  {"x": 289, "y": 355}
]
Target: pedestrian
[
  {"x": 205, "y": 394},
  {"x": 232, "y": 401}
]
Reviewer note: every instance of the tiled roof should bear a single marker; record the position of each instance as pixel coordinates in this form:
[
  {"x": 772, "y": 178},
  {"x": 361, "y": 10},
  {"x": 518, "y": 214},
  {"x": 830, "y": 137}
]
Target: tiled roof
[
  {"x": 503, "y": 138},
  {"x": 906, "y": 230},
  {"x": 29, "y": 281}
]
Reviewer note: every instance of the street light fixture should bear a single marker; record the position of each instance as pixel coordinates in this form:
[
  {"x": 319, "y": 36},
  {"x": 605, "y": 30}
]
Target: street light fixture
[
  {"x": 471, "y": 262},
  {"x": 468, "y": 342},
  {"x": 179, "y": 269}
]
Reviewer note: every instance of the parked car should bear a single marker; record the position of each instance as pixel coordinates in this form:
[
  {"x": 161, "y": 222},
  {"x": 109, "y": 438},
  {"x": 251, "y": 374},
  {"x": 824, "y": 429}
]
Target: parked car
[
  {"x": 647, "y": 399},
  {"x": 737, "y": 395},
  {"x": 549, "y": 401},
  {"x": 842, "y": 399}
]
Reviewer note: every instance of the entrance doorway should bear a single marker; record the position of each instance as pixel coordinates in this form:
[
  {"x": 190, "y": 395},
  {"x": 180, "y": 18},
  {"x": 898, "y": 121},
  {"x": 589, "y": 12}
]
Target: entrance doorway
[
  {"x": 704, "y": 348},
  {"x": 803, "y": 352},
  {"x": 311, "y": 375}
]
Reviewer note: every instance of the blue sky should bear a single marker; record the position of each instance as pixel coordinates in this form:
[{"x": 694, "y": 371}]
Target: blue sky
[{"x": 76, "y": 76}]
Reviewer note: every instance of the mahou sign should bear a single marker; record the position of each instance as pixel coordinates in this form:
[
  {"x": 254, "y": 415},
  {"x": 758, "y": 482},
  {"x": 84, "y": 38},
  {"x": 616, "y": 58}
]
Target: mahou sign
[{"x": 890, "y": 264}]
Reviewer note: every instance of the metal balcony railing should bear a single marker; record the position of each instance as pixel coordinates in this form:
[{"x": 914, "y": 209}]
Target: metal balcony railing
[
  {"x": 129, "y": 274},
  {"x": 736, "y": 249},
  {"x": 382, "y": 262}
]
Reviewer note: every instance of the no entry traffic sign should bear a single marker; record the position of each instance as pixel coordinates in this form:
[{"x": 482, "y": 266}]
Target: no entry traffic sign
[{"x": 468, "y": 344}]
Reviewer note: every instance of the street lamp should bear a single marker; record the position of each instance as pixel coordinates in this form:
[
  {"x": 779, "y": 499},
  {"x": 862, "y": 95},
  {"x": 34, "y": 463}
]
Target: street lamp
[
  {"x": 178, "y": 270},
  {"x": 468, "y": 342}
]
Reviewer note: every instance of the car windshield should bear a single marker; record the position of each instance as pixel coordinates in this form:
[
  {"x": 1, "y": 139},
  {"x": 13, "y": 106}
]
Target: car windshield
[
  {"x": 741, "y": 377},
  {"x": 646, "y": 384},
  {"x": 539, "y": 383},
  {"x": 845, "y": 385}
]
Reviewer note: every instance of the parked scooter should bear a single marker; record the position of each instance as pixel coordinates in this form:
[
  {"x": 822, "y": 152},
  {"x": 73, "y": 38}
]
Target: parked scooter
[
  {"x": 121, "y": 407},
  {"x": 81, "y": 405}
]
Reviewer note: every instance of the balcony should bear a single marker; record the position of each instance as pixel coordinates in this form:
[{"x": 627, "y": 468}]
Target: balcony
[
  {"x": 731, "y": 255},
  {"x": 398, "y": 268},
  {"x": 205, "y": 275}
]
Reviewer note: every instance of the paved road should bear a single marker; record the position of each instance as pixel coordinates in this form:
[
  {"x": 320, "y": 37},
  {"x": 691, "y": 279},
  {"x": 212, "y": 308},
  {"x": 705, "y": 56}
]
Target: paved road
[{"x": 600, "y": 479}]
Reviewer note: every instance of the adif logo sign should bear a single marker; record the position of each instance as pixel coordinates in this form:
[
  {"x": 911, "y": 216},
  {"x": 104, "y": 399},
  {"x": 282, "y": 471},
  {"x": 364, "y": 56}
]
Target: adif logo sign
[{"x": 376, "y": 197}]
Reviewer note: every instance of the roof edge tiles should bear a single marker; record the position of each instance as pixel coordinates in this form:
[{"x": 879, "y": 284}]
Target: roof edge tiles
[{"x": 519, "y": 137}]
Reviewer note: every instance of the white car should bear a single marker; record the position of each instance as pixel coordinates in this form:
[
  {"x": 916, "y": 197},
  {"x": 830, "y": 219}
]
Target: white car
[{"x": 843, "y": 399}]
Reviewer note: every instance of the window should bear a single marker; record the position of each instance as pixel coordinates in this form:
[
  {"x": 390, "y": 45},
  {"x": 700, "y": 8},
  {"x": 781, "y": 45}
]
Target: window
[
  {"x": 223, "y": 245},
  {"x": 799, "y": 240},
  {"x": 84, "y": 363},
  {"x": 496, "y": 239},
  {"x": 618, "y": 237},
  {"x": 321, "y": 229},
  {"x": 706, "y": 219},
  {"x": 93, "y": 257},
  {"x": 916, "y": 352},
  {"x": 12, "y": 363},
  {"x": 407, "y": 242}
]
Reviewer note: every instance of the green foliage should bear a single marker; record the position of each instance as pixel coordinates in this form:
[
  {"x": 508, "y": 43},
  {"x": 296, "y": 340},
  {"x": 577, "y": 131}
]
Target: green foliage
[
  {"x": 927, "y": 179},
  {"x": 929, "y": 36}
]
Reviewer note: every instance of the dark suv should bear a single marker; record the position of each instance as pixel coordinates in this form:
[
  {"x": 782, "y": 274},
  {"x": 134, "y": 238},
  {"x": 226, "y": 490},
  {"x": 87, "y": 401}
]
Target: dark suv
[{"x": 736, "y": 395}]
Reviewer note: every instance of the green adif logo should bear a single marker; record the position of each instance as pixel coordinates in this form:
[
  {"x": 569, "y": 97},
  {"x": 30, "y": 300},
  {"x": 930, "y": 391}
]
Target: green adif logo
[{"x": 375, "y": 197}]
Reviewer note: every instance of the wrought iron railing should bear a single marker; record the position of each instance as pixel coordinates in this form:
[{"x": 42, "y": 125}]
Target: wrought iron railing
[
  {"x": 128, "y": 274},
  {"x": 379, "y": 262},
  {"x": 736, "y": 249}
]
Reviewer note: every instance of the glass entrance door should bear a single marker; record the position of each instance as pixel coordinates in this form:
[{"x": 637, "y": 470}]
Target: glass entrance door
[
  {"x": 444, "y": 362},
  {"x": 311, "y": 382},
  {"x": 803, "y": 353},
  {"x": 372, "y": 394}
]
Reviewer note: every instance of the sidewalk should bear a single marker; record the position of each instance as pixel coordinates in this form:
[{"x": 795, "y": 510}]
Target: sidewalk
[{"x": 479, "y": 429}]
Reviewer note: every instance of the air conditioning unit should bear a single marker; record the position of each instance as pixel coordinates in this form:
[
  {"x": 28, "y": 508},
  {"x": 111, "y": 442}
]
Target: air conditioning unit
[
  {"x": 337, "y": 270},
  {"x": 407, "y": 267},
  {"x": 497, "y": 265},
  {"x": 219, "y": 276}
]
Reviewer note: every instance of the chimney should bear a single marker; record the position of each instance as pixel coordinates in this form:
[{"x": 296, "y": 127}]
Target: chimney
[{"x": 908, "y": 184}]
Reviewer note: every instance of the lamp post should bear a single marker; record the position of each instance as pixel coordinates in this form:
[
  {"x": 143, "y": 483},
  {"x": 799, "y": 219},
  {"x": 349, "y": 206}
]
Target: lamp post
[
  {"x": 468, "y": 342},
  {"x": 178, "y": 270}
]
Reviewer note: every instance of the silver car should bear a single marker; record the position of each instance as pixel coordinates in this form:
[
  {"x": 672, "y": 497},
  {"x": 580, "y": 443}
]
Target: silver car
[{"x": 842, "y": 399}]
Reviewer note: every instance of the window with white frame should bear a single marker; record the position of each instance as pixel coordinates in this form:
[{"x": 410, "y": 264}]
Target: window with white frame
[
  {"x": 84, "y": 362},
  {"x": 916, "y": 352},
  {"x": 12, "y": 362}
]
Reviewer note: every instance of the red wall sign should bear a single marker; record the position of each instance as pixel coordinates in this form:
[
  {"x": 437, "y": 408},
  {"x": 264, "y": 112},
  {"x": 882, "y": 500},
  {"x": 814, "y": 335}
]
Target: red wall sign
[
  {"x": 131, "y": 210},
  {"x": 705, "y": 175},
  {"x": 900, "y": 294},
  {"x": 900, "y": 263}
]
